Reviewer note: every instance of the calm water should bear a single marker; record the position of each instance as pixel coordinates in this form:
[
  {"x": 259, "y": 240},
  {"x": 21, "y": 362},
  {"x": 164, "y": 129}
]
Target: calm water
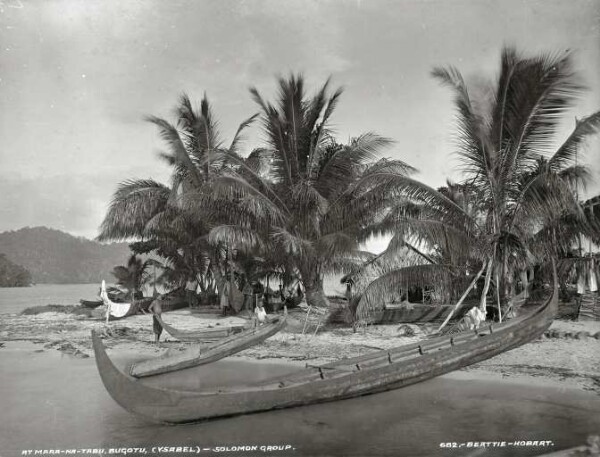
[
  {"x": 16, "y": 299},
  {"x": 53, "y": 401}
]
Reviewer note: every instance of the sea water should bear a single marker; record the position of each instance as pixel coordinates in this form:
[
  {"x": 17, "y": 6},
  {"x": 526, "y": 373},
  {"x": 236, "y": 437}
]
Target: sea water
[
  {"x": 54, "y": 402},
  {"x": 16, "y": 299}
]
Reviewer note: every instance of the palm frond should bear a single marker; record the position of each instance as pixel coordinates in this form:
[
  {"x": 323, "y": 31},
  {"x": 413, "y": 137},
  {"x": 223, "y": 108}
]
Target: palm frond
[
  {"x": 336, "y": 244},
  {"x": 134, "y": 203},
  {"x": 170, "y": 134},
  {"x": 292, "y": 244},
  {"x": 235, "y": 237},
  {"x": 476, "y": 156},
  {"x": 238, "y": 134},
  {"x": 566, "y": 154}
]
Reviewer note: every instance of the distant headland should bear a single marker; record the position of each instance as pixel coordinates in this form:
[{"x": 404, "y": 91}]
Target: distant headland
[{"x": 45, "y": 255}]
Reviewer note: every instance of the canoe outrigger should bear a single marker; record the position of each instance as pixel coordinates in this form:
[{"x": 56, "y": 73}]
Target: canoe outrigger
[
  {"x": 201, "y": 354},
  {"x": 207, "y": 334}
]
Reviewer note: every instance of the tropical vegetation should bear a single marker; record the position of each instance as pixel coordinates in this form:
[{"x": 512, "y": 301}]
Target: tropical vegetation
[
  {"x": 303, "y": 204},
  {"x": 299, "y": 207},
  {"x": 517, "y": 205},
  {"x": 13, "y": 275},
  {"x": 134, "y": 276}
]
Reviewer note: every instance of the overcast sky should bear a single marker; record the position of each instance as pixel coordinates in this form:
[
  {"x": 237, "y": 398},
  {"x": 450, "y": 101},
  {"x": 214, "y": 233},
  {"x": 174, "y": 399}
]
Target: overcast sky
[{"x": 78, "y": 76}]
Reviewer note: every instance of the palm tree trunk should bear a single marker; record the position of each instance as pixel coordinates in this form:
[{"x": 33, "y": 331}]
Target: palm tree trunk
[
  {"x": 315, "y": 294},
  {"x": 312, "y": 278},
  {"x": 524, "y": 281},
  {"x": 229, "y": 271},
  {"x": 486, "y": 286},
  {"x": 498, "y": 296}
]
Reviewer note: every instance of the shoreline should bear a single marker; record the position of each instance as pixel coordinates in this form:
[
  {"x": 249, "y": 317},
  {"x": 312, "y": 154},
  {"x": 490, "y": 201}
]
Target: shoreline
[{"x": 570, "y": 360}]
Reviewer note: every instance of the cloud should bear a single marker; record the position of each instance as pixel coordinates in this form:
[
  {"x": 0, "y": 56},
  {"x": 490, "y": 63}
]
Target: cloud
[
  {"x": 72, "y": 203},
  {"x": 66, "y": 140}
]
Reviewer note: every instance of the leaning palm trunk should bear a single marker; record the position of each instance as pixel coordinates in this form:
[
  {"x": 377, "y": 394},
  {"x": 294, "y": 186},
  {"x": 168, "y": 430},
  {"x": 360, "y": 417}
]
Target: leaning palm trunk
[
  {"x": 464, "y": 296},
  {"x": 498, "y": 297},
  {"x": 486, "y": 287}
]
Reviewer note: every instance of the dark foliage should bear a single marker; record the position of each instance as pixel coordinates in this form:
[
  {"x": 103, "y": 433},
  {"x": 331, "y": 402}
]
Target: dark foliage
[{"x": 13, "y": 275}]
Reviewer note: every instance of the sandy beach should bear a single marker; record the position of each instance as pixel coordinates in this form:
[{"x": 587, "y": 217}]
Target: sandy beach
[{"x": 564, "y": 355}]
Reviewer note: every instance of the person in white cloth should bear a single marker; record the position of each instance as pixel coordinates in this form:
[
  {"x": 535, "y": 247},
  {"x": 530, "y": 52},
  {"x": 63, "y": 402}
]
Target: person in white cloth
[
  {"x": 261, "y": 314},
  {"x": 474, "y": 318}
]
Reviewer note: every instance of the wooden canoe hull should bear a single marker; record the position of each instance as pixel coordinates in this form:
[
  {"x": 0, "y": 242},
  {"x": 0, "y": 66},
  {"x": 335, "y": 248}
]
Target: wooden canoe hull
[
  {"x": 100, "y": 313},
  {"x": 90, "y": 303},
  {"x": 414, "y": 313},
  {"x": 203, "y": 354},
  {"x": 135, "y": 308},
  {"x": 173, "y": 305},
  {"x": 204, "y": 335},
  {"x": 371, "y": 373}
]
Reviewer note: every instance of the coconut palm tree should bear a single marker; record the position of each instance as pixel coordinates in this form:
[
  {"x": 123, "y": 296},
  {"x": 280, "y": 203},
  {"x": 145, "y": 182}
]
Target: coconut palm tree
[
  {"x": 158, "y": 216},
  {"x": 519, "y": 186},
  {"x": 508, "y": 152},
  {"x": 316, "y": 203},
  {"x": 133, "y": 276}
]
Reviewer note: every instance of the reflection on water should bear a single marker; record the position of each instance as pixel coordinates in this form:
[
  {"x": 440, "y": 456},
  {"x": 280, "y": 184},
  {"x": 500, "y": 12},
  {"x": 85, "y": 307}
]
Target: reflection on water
[{"x": 54, "y": 401}]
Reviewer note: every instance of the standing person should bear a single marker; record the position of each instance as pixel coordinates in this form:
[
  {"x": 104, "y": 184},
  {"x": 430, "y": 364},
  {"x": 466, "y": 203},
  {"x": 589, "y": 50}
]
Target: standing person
[
  {"x": 190, "y": 292},
  {"x": 224, "y": 301},
  {"x": 248, "y": 292},
  {"x": 156, "y": 309}
]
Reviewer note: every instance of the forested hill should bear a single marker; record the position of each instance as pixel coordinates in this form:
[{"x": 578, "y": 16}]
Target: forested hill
[
  {"x": 55, "y": 257},
  {"x": 13, "y": 275}
]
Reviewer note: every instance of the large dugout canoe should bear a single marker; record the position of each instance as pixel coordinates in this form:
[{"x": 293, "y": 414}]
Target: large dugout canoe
[
  {"x": 91, "y": 304},
  {"x": 414, "y": 313},
  {"x": 202, "y": 354},
  {"x": 208, "y": 334},
  {"x": 375, "y": 372}
]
